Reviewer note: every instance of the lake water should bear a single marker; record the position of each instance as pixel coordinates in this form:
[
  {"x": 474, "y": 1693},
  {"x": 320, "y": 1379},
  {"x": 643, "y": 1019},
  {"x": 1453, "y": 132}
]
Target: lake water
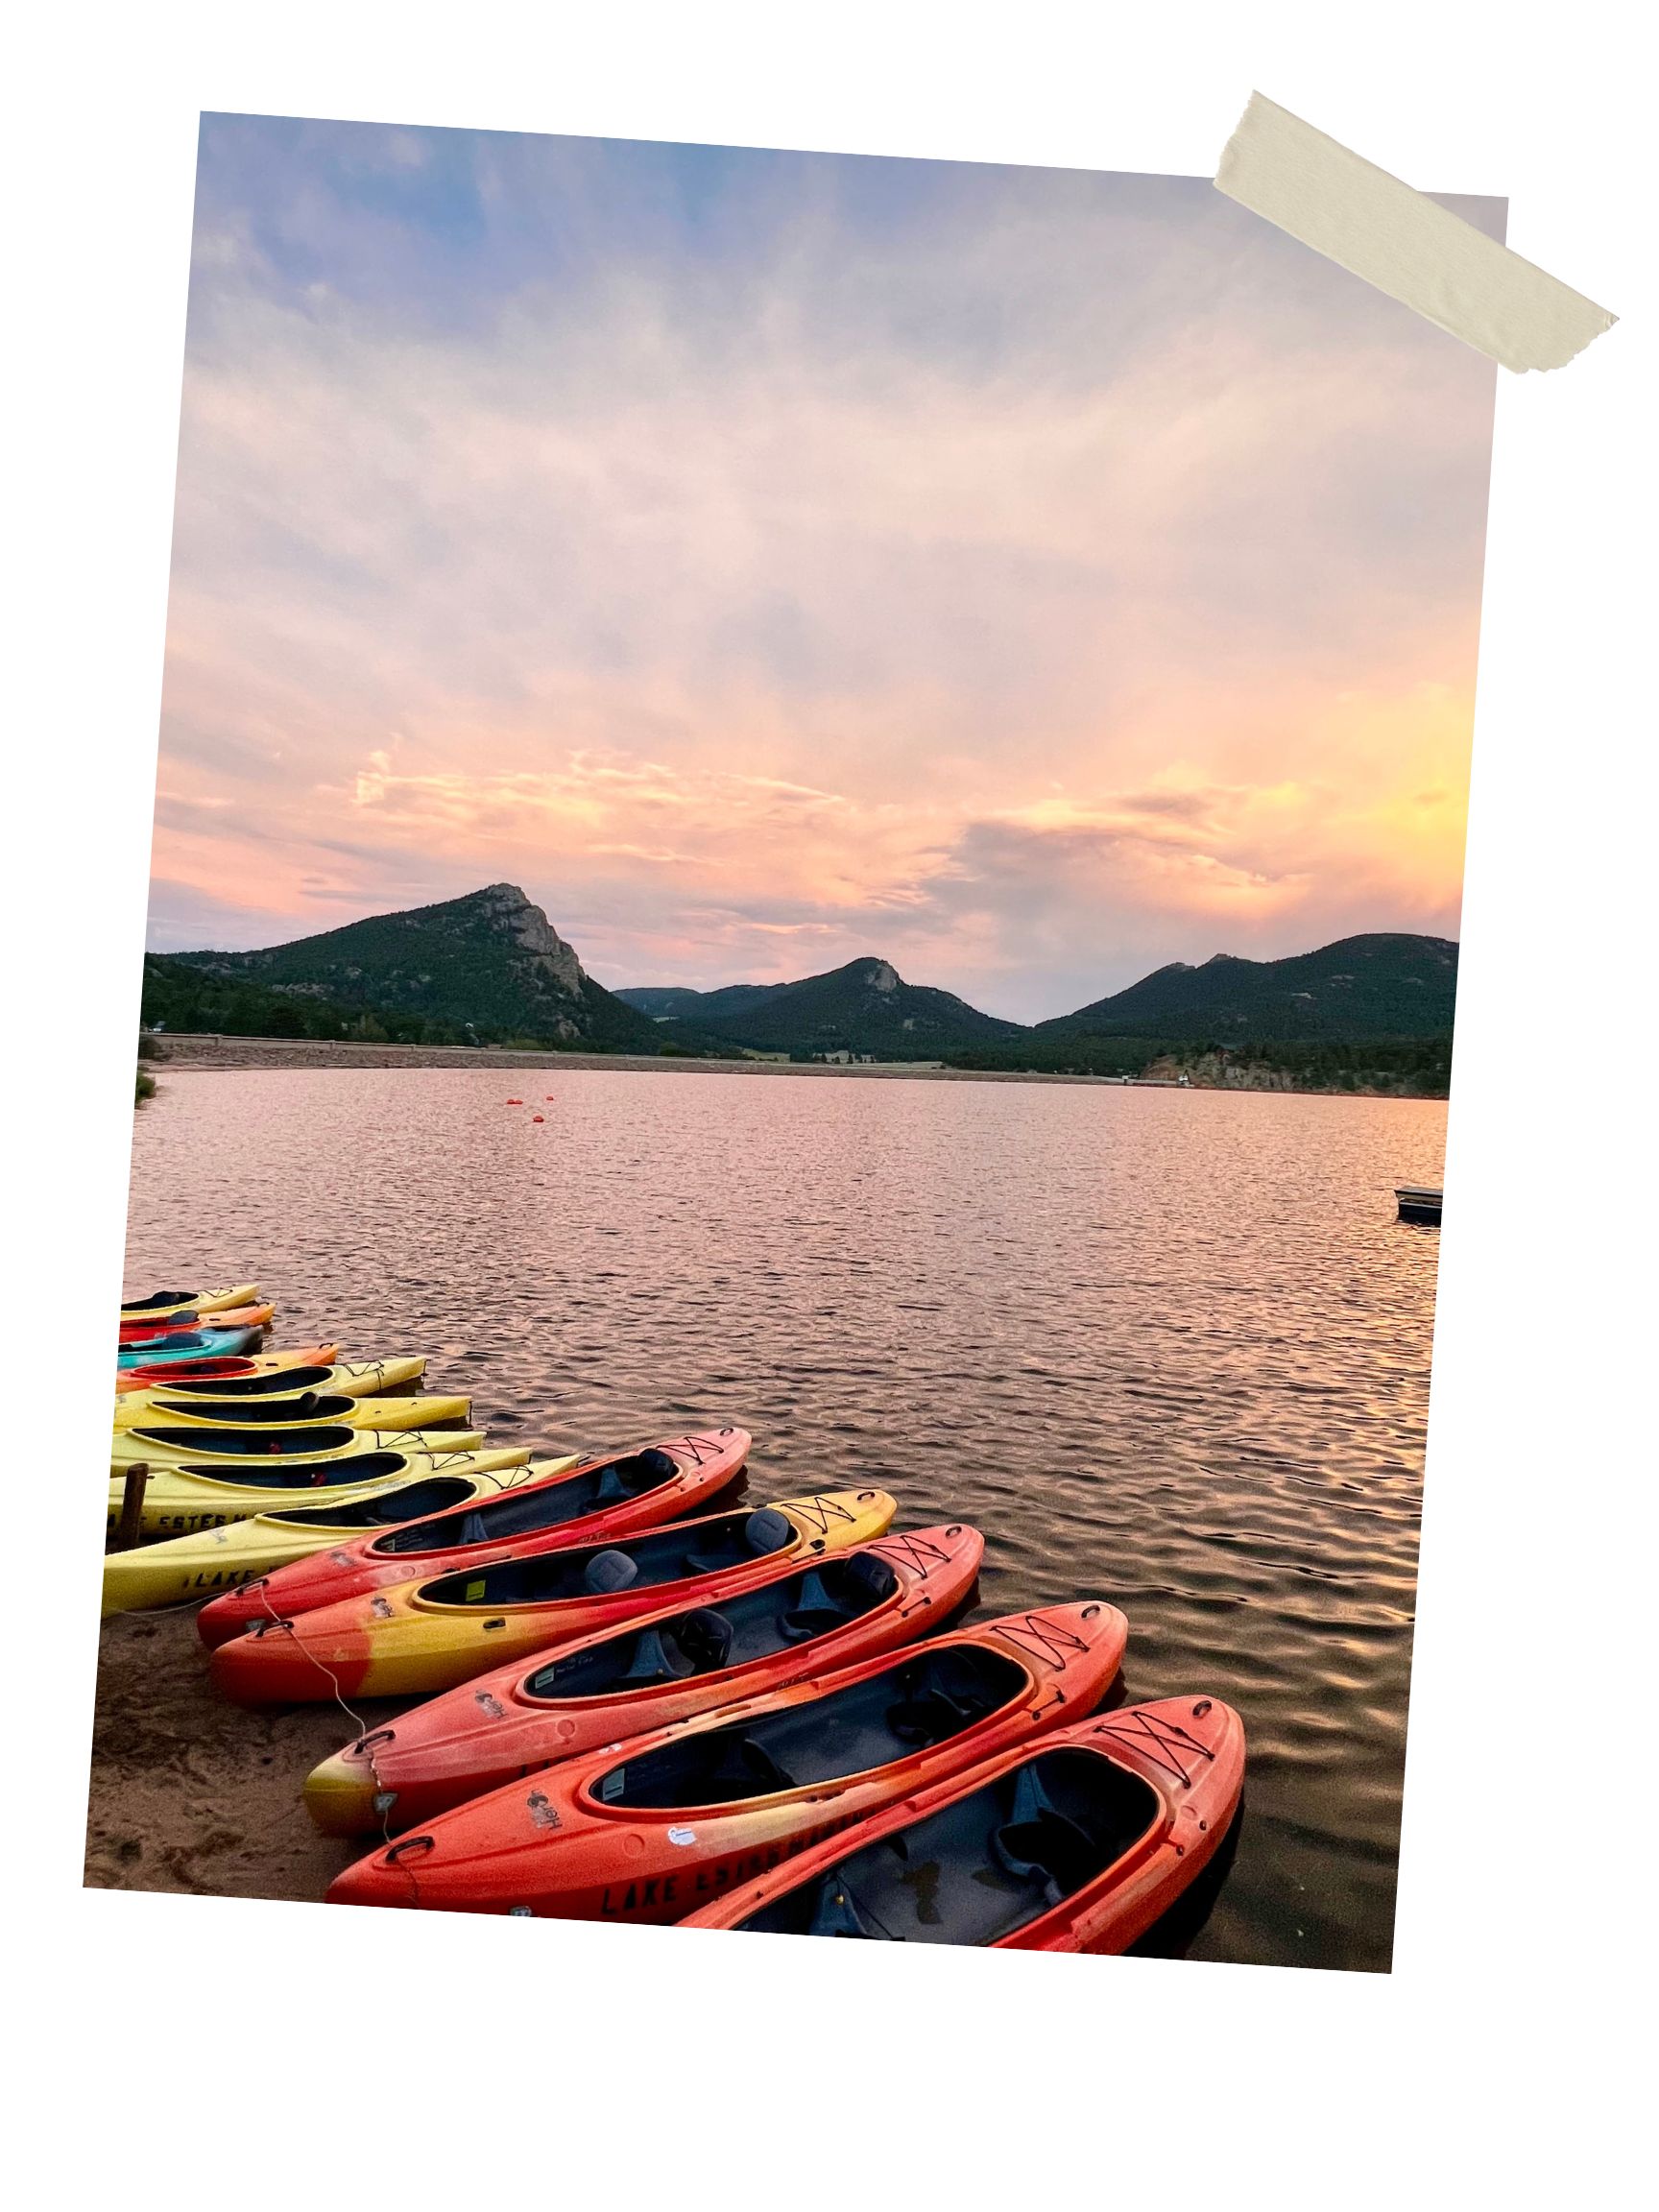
[{"x": 1167, "y": 1348}]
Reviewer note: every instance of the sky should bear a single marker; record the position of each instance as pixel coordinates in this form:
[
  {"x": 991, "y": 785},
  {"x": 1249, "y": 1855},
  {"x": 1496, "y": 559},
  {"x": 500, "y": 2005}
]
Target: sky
[{"x": 1030, "y": 576}]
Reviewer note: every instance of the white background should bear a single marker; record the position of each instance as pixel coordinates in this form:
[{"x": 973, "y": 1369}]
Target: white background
[{"x": 273, "y": 2052}]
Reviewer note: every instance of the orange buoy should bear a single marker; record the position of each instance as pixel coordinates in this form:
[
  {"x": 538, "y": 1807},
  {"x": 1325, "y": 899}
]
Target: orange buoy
[
  {"x": 538, "y": 1117},
  {"x": 514, "y": 1101}
]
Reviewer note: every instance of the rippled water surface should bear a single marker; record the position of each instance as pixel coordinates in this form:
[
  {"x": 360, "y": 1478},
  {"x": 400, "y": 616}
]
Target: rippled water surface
[{"x": 1168, "y": 1348}]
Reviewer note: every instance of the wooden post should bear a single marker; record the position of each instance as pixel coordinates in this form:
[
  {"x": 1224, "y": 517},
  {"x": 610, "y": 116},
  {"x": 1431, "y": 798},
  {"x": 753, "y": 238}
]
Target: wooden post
[{"x": 133, "y": 1507}]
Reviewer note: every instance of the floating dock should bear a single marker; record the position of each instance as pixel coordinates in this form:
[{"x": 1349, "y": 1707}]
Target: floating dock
[{"x": 1418, "y": 1204}]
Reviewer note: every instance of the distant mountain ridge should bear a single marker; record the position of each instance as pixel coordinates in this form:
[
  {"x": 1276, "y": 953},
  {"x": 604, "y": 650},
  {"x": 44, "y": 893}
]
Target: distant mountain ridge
[
  {"x": 491, "y": 967},
  {"x": 492, "y": 960},
  {"x": 1384, "y": 984},
  {"x": 864, "y": 1007}
]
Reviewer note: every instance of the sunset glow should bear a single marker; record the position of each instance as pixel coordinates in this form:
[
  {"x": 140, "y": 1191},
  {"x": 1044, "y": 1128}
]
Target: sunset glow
[{"x": 1030, "y": 576}]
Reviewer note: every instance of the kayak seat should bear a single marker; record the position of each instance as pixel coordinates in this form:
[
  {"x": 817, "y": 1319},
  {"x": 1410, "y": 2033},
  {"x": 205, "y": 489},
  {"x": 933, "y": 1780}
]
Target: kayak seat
[
  {"x": 767, "y": 1532},
  {"x": 931, "y": 1718},
  {"x": 816, "y": 1613},
  {"x": 609, "y": 1572},
  {"x": 654, "y": 1661},
  {"x": 632, "y": 1478},
  {"x": 1039, "y": 1844},
  {"x": 706, "y": 1639}
]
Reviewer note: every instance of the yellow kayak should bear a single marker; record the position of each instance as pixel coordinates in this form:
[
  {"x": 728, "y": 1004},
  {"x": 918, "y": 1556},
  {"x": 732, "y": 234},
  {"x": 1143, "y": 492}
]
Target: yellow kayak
[
  {"x": 173, "y": 1430},
  {"x": 179, "y": 1305},
  {"x": 282, "y": 1374},
  {"x": 412, "y": 1639},
  {"x": 217, "y": 1559},
  {"x": 182, "y": 1498},
  {"x": 313, "y": 1444}
]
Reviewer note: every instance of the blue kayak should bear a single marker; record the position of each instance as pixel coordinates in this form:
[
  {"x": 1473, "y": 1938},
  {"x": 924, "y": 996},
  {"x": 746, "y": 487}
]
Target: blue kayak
[{"x": 187, "y": 1344}]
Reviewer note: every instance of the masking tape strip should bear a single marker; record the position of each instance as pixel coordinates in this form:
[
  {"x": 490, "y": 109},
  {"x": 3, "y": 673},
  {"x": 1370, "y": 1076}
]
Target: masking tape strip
[{"x": 1407, "y": 246}]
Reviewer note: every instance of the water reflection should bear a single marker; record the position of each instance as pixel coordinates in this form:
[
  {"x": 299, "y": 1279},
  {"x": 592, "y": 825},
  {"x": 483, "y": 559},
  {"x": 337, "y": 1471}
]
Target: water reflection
[{"x": 1170, "y": 1349}]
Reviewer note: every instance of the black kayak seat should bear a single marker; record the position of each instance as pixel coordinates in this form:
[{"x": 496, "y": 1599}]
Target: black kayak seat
[
  {"x": 1038, "y": 1843},
  {"x": 816, "y": 1612},
  {"x": 767, "y": 1532},
  {"x": 837, "y": 1915},
  {"x": 609, "y": 1489},
  {"x": 763, "y": 1533},
  {"x": 609, "y": 1572},
  {"x": 931, "y": 1718},
  {"x": 706, "y": 1639},
  {"x": 654, "y": 1661}
]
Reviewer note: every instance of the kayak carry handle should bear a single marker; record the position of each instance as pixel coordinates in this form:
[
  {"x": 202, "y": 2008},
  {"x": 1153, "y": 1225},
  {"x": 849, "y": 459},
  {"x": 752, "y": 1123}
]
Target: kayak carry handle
[
  {"x": 377, "y": 1736},
  {"x": 409, "y": 1843}
]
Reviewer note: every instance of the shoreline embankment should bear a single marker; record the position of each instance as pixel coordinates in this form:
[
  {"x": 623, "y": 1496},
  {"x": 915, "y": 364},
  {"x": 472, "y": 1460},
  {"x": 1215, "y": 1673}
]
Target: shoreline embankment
[{"x": 183, "y": 1053}]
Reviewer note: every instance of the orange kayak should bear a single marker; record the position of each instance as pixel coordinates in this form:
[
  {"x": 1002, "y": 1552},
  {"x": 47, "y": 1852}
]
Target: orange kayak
[
  {"x": 135, "y": 1333},
  {"x": 175, "y": 1373},
  {"x": 661, "y": 1667},
  {"x": 417, "y": 1638},
  {"x": 598, "y": 1500},
  {"x": 1078, "y": 1843},
  {"x": 650, "y": 1829}
]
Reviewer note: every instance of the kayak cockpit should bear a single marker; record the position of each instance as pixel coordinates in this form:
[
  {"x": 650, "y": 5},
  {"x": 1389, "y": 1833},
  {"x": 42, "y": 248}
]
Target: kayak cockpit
[
  {"x": 706, "y": 1641},
  {"x": 310, "y": 1409},
  {"x": 920, "y": 1700},
  {"x": 601, "y": 1571},
  {"x": 236, "y": 1382},
  {"x": 306, "y": 1413},
  {"x": 251, "y": 1442},
  {"x": 434, "y": 1495},
  {"x": 343, "y": 1474},
  {"x": 982, "y": 1867},
  {"x": 586, "y": 1490}
]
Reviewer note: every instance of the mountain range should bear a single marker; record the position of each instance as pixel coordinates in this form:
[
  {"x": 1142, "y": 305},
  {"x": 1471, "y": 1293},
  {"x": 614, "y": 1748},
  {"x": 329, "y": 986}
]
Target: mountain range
[
  {"x": 491, "y": 961},
  {"x": 492, "y": 966},
  {"x": 865, "y": 1006}
]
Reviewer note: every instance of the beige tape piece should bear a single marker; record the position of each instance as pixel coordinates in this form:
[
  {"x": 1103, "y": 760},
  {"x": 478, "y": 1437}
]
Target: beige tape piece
[{"x": 1405, "y": 244}]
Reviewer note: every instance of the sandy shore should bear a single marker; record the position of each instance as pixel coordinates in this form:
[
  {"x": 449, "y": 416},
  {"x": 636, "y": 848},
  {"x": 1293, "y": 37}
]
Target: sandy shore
[
  {"x": 188, "y": 1052},
  {"x": 191, "y": 1793}
]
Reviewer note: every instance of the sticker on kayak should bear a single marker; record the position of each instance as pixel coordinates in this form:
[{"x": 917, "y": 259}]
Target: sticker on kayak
[{"x": 682, "y": 1835}]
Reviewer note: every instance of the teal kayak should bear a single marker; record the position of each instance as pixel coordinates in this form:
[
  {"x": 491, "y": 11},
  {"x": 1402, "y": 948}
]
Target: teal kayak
[{"x": 188, "y": 1344}]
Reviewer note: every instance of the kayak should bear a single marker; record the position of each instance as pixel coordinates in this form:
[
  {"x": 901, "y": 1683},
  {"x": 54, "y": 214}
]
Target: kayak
[
  {"x": 187, "y": 1344},
  {"x": 415, "y": 1638},
  {"x": 237, "y": 1317},
  {"x": 661, "y": 1667},
  {"x": 214, "y": 1559},
  {"x": 178, "y": 1374},
  {"x": 217, "y": 1444},
  {"x": 599, "y": 1500},
  {"x": 1079, "y": 1843},
  {"x": 183, "y": 1497},
  {"x": 172, "y": 1428},
  {"x": 351, "y": 1378},
  {"x": 172, "y": 1305},
  {"x": 650, "y": 1829}
]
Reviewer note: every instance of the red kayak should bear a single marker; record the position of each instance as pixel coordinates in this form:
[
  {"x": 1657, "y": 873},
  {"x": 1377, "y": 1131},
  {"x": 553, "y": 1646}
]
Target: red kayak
[
  {"x": 417, "y": 1638},
  {"x": 1079, "y": 1843},
  {"x": 175, "y": 1374},
  {"x": 598, "y": 1500},
  {"x": 661, "y": 1667},
  {"x": 647, "y": 1830}
]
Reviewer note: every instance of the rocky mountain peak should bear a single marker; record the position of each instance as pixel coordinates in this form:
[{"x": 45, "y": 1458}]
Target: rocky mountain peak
[{"x": 533, "y": 934}]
